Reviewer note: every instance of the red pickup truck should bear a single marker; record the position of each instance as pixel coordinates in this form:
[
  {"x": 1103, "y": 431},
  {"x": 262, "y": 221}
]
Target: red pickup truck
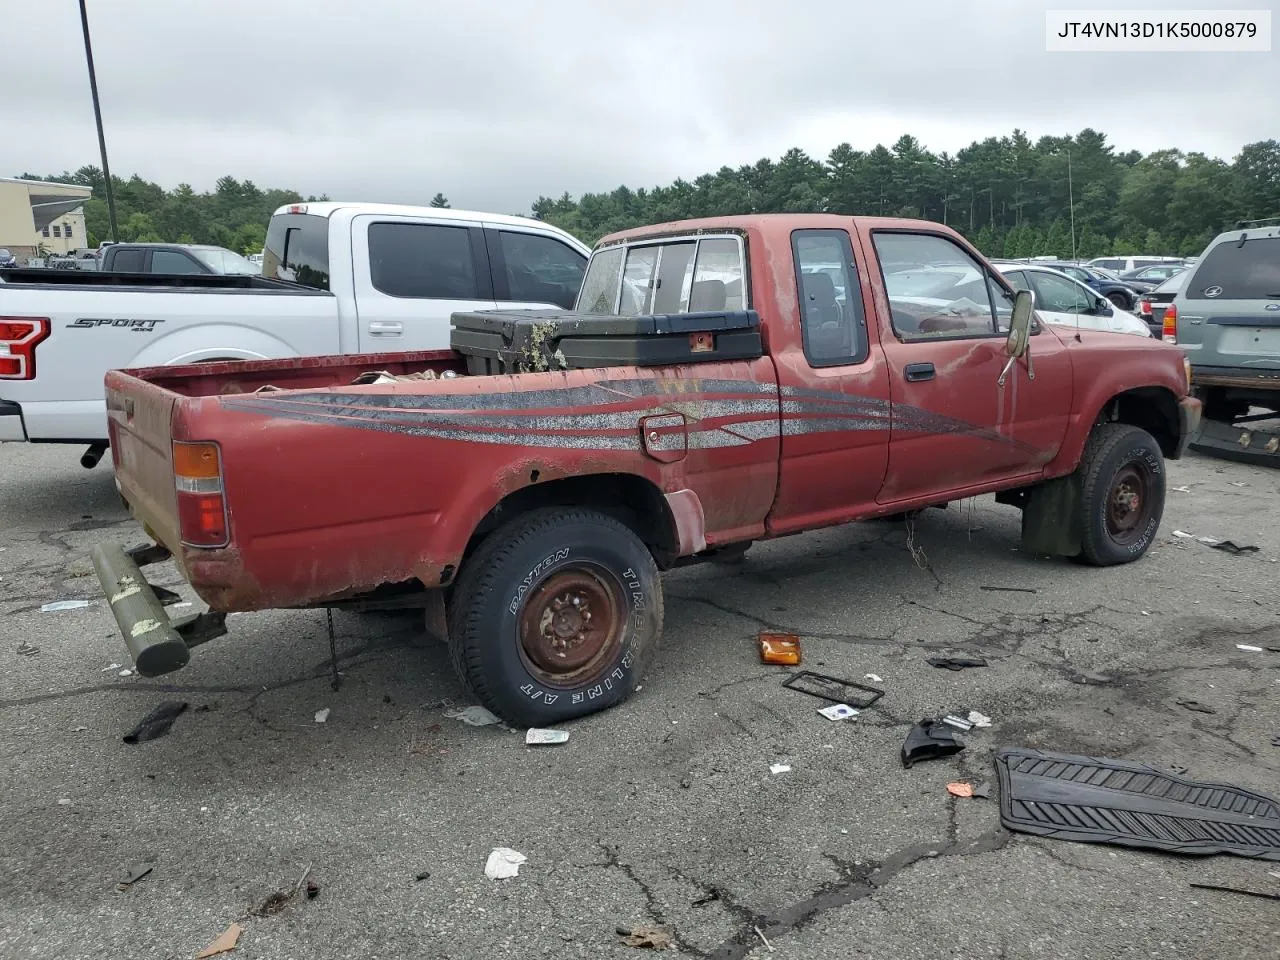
[{"x": 722, "y": 381}]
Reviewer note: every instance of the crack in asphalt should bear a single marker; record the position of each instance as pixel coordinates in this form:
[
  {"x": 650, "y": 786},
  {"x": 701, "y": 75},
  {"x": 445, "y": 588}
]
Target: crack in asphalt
[{"x": 856, "y": 883}]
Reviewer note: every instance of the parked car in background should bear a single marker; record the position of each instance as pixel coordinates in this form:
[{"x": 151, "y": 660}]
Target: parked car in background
[
  {"x": 256, "y": 259},
  {"x": 1148, "y": 278},
  {"x": 7, "y": 259},
  {"x": 1152, "y": 305},
  {"x": 353, "y": 278},
  {"x": 1226, "y": 318},
  {"x": 176, "y": 258},
  {"x": 1126, "y": 264},
  {"x": 1110, "y": 286},
  {"x": 1064, "y": 300}
]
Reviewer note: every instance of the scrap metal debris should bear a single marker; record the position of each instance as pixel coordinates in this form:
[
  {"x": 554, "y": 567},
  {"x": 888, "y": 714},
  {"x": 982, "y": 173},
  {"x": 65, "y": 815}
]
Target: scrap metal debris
[
  {"x": 645, "y": 938},
  {"x": 1196, "y": 706},
  {"x": 225, "y": 943},
  {"x": 956, "y": 663},
  {"x": 133, "y": 875},
  {"x": 779, "y": 649},
  {"x": 156, "y": 723},
  {"x": 1239, "y": 890},
  {"x": 476, "y": 716},
  {"x": 27, "y": 650},
  {"x": 929, "y": 740},
  {"x": 421, "y": 875},
  {"x": 982, "y": 790},
  {"x": 1248, "y": 648},
  {"x": 778, "y": 768},
  {"x": 503, "y": 863},
  {"x": 536, "y": 737},
  {"x": 873, "y": 678},
  {"x": 856, "y": 695},
  {"x": 978, "y": 719},
  {"x": 322, "y": 715},
  {"x": 763, "y": 938},
  {"x": 59, "y": 605},
  {"x": 1229, "y": 546},
  {"x": 960, "y": 723}
]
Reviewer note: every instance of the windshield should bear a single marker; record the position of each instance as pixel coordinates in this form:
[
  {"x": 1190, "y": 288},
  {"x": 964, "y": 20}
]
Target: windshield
[
  {"x": 220, "y": 260},
  {"x": 1235, "y": 271},
  {"x": 1105, "y": 273}
]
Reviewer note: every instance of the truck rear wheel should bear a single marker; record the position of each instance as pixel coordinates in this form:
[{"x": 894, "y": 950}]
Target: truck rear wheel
[
  {"x": 1122, "y": 486},
  {"x": 555, "y": 616}
]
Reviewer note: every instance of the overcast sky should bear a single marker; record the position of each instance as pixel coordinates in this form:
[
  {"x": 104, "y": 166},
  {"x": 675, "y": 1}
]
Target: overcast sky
[{"x": 494, "y": 103}]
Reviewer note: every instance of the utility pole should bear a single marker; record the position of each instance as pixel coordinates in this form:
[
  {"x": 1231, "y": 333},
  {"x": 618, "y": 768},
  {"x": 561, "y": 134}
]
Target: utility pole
[
  {"x": 1070, "y": 199},
  {"x": 97, "y": 116}
]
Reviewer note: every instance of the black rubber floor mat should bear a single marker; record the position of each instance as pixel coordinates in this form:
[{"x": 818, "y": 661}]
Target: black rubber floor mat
[{"x": 1093, "y": 800}]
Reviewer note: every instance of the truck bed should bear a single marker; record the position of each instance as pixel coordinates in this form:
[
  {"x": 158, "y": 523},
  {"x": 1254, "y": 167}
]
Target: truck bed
[
  {"x": 43, "y": 277},
  {"x": 290, "y": 373}
]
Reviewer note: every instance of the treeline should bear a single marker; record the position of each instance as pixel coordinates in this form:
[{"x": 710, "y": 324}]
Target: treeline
[
  {"x": 1010, "y": 196},
  {"x": 234, "y": 215}
]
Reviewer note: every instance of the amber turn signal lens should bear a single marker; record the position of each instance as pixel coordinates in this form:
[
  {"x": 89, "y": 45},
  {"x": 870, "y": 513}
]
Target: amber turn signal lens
[
  {"x": 781, "y": 649},
  {"x": 196, "y": 461}
]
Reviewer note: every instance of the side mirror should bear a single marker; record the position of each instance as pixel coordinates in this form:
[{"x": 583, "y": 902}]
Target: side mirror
[
  {"x": 1024, "y": 302},
  {"x": 1102, "y": 307},
  {"x": 1019, "y": 342}
]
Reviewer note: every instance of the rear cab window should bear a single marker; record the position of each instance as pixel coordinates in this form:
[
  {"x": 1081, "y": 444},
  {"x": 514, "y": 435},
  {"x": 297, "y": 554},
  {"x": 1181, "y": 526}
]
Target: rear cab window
[
  {"x": 423, "y": 261},
  {"x": 297, "y": 249},
  {"x": 1236, "y": 271},
  {"x": 832, "y": 324},
  {"x": 675, "y": 275}
]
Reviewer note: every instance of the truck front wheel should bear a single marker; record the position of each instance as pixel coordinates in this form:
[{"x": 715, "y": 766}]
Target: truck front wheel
[
  {"x": 1122, "y": 487},
  {"x": 555, "y": 616}
]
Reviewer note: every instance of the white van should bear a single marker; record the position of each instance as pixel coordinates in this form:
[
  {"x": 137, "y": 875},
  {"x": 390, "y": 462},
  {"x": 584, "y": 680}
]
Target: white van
[{"x": 1125, "y": 264}]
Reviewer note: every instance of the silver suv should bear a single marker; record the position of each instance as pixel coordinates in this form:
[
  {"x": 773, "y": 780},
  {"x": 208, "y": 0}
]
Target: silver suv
[{"x": 1226, "y": 318}]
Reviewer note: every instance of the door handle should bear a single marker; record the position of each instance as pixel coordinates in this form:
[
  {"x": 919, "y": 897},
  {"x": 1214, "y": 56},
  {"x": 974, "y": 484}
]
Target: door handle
[
  {"x": 915, "y": 372},
  {"x": 385, "y": 328}
]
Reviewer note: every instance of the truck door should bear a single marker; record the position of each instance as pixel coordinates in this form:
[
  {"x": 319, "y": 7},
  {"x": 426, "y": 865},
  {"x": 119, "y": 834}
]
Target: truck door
[
  {"x": 954, "y": 426},
  {"x": 411, "y": 274},
  {"x": 835, "y": 386}
]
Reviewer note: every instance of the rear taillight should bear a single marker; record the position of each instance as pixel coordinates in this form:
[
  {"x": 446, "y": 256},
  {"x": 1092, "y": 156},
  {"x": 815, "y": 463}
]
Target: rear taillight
[
  {"x": 1169, "y": 329},
  {"x": 1144, "y": 307},
  {"x": 19, "y": 337},
  {"x": 202, "y": 509}
]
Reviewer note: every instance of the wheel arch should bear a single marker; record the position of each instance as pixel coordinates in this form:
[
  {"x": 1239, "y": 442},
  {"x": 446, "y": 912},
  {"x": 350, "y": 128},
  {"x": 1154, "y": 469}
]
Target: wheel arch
[
  {"x": 632, "y": 500},
  {"x": 1153, "y": 409}
]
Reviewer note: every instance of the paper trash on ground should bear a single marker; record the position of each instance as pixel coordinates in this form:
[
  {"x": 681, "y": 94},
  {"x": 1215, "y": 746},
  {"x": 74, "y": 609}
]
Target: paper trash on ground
[
  {"x": 476, "y": 716},
  {"x": 780, "y": 768},
  {"x": 536, "y": 737},
  {"x": 838, "y": 711},
  {"x": 322, "y": 715},
  {"x": 503, "y": 863}
]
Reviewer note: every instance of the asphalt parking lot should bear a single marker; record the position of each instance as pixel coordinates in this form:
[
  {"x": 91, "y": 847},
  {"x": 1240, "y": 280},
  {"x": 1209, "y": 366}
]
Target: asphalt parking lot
[{"x": 664, "y": 811}]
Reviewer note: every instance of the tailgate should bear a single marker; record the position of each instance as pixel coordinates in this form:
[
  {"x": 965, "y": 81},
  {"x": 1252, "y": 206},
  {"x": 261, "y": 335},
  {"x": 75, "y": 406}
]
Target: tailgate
[{"x": 140, "y": 420}]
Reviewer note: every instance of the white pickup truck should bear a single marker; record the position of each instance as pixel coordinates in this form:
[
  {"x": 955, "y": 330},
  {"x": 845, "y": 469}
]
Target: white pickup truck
[{"x": 336, "y": 278}]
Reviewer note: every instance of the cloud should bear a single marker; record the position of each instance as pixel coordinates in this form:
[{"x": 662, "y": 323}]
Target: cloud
[{"x": 495, "y": 104}]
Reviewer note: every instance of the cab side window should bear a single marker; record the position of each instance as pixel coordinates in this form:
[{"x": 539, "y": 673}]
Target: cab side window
[
  {"x": 833, "y": 327},
  {"x": 1059, "y": 295},
  {"x": 936, "y": 290}
]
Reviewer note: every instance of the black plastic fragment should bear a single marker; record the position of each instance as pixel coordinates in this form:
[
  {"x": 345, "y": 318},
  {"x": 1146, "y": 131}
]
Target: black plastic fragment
[
  {"x": 156, "y": 723},
  {"x": 957, "y": 663},
  {"x": 929, "y": 740},
  {"x": 1096, "y": 800}
]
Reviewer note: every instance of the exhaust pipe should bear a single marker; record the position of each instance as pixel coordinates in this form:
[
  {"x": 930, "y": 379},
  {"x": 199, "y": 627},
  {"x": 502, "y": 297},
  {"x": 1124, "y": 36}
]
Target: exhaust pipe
[{"x": 89, "y": 459}]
